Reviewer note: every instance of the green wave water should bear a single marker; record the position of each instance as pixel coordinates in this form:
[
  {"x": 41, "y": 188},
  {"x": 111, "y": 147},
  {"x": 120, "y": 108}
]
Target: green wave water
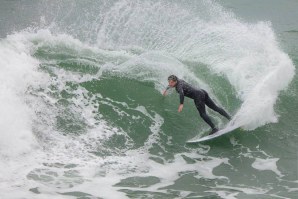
[{"x": 82, "y": 115}]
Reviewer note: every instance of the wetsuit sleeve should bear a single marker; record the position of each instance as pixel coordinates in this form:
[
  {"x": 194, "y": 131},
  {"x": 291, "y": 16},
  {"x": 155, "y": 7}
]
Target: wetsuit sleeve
[{"x": 181, "y": 93}]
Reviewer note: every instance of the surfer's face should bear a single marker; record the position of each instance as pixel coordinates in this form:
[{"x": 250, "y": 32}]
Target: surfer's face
[{"x": 172, "y": 83}]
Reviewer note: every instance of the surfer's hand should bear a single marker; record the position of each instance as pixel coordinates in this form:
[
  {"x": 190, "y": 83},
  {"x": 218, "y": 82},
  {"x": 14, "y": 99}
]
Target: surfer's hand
[
  {"x": 164, "y": 93},
  {"x": 180, "y": 108}
]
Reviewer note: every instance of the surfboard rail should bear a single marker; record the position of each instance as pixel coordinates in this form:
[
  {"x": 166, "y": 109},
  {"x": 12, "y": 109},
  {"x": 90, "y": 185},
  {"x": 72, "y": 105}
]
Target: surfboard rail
[{"x": 227, "y": 129}]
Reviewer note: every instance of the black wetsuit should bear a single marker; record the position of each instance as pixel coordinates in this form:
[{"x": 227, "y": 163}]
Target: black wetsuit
[{"x": 200, "y": 98}]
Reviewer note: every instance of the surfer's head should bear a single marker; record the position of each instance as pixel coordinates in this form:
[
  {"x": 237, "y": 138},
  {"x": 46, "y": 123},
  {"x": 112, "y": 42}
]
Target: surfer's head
[{"x": 172, "y": 79}]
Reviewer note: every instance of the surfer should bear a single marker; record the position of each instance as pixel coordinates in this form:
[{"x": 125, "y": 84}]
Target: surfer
[{"x": 200, "y": 97}]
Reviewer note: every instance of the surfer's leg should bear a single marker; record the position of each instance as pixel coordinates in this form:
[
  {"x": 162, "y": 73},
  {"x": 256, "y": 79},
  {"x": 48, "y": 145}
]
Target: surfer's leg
[
  {"x": 209, "y": 102},
  {"x": 202, "y": 110}
]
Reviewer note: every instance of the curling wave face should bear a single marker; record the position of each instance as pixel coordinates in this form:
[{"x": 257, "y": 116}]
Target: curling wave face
[{"x": 87, "y": 118}]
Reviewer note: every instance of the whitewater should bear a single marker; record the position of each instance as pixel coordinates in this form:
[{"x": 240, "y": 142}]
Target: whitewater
[{"x": 82, "y": 115}]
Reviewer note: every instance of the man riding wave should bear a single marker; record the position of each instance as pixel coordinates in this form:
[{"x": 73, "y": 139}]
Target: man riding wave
[{"x": 200, "y": 97}]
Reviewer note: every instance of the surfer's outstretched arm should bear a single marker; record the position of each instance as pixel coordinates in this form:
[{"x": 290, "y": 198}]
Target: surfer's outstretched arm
[
  {"x": 181, "y": 96},
  {"x": 165, "y": 91}
]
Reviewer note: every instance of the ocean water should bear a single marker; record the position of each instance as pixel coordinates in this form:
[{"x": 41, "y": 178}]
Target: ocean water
[{"x": 81, "y": 110}]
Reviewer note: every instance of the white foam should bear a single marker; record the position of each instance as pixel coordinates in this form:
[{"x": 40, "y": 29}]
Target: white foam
[
  {"x": 244, "y": 189},
  {"x": 234, "y": 191},
  {"x": 18, "y": 145},
  {"x": 18, "y": 71},
  {"x": 267, "y": 164},
  {"x": 225, "y": 194}
]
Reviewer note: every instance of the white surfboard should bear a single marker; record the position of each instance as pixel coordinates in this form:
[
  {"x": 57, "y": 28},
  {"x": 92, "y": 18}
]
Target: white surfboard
[{"x": 227, "y": 129}]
